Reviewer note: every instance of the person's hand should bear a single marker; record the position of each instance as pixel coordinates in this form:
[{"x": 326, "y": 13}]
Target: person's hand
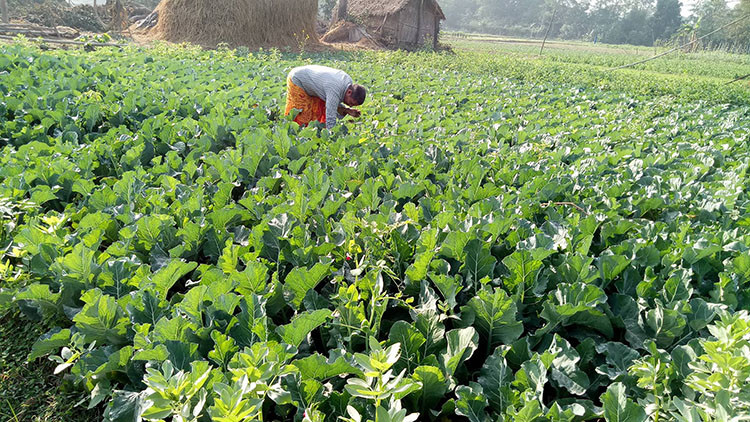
[{"x": 354, "y": 113}]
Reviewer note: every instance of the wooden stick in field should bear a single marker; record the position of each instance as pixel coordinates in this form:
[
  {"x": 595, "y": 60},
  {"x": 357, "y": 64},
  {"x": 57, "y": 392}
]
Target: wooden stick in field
[
  {"x": 546, "y": 34},
  {"x": 738, "y": 79}
]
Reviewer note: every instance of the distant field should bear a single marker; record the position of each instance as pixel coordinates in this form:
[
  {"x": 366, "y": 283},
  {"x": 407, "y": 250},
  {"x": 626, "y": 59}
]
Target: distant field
[{"x": 710, "y": 64}]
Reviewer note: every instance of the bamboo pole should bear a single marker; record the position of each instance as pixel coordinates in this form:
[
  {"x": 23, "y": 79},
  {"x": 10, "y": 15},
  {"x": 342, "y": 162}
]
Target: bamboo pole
[
  {"x": 4, "y": 7},
  {"x": 546, "y": 34},
  {"x": 343, "y": 11},
  {"x": 738, "y": 79},
  {"x": 419, "y": 21}
]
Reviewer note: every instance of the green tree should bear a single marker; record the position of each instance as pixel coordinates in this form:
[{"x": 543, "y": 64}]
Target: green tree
[
  {"x": 709, "y": 15},
  {"x": 740, "y": 33},
  {"x": 667, "y": 18}
]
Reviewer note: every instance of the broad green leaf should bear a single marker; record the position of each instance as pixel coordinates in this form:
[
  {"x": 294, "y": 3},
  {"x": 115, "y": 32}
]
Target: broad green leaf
[
  {"x": 101, "y": 319},
  {"x": 123, "y": 407},
  {"x": 318, "y": 368},
  {"x": 252, "y": 280},
  {"x": 80, "y": 264},
  {"x": 153, "y": 230},
  {"x": 250, "y": 325},
  {"x": 618, "y": 407},
  {"x": 111, "y": 361},
  {"x": 229, "y": 257},
  {"x": 578, "y": 268},
  {"x": 50, "y": 342},
  {"x": 678, "y": 286},
  {"x": 533, "y": 376},
  {"x": 301, "y": 280},
  {"x": 454, "y": 245},
  {"x": 417, "y": 271},
  {"x": 471, "y": 402},
  {"x": 495, "y": 380},
  {"x": 433, "y": 330},
  {"x": 577, "y": 304},
  {"x": 685, "y": 411},
  {"x": 224, "y": 349},
  {"x": 462, "y": 343},
  {"x": 741, "y": 267},
  {"x": 496, "y": 317},
  {"x": 610, "y": 266},
  {"x": 407, "y": 190},
  {"x": 524, "y": 270},
  {"x": 478, "y": 261},
  {"x": 619, "y": 358},
  {"x": 701, "y": 249},
  {"x": 701, "y": 314},
  {"x": 115, "y": 277},
  {"x": 302, "y": 325},
  {"x": 529, "y": 412},
  {"x": 411, "y": 341},
  {"x": 182, "y": 355},
  {"x": 169, "y": 274},
  {"x": 176, "y": 328},
  {"x": 448, "y": 286},
  {"x": 433, "y": 387},
  {"x": 37, "y": 301},
  {"x": 304, "y": 393},
  {"x": 682, "y": 357},
  {"x": 42, "y": 194},
  {"x": 665, "y": 325},
  {"x": 564, "y": 369},
  {"x": 145, "y": 308},
  {"x": 426, "y": 250}
]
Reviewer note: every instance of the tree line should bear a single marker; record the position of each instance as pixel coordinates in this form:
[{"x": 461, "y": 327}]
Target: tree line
[{"x": 637, "y": 22}]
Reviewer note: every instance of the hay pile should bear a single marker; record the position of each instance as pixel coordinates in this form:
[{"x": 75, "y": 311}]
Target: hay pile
[
  {"x": 343, "y": 31},
  {"x": 251, "y": 23}
]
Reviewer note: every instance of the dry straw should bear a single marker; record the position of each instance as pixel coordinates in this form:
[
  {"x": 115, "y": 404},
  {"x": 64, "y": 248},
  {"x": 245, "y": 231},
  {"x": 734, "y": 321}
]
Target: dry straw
[{"x": 251, "y": 23}]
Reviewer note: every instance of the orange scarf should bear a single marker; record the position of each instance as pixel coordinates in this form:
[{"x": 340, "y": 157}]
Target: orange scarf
[{"x": 313, "y": 108}]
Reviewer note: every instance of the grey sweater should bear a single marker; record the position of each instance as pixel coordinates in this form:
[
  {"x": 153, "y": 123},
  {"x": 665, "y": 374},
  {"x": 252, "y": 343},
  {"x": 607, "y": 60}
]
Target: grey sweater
[{"x": 326, "y": 83}]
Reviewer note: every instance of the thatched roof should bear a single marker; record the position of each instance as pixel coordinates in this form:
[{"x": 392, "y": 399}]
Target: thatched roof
[{"x": 384, "y": 7}]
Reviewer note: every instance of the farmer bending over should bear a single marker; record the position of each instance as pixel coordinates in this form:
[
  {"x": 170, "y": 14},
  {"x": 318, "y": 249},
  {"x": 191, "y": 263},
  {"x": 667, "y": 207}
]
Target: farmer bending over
[{"x": 319, "y": 91}]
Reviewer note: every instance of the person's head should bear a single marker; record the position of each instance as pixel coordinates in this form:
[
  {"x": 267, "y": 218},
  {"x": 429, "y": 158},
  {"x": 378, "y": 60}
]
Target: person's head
[{"x": 355, "y": 95}]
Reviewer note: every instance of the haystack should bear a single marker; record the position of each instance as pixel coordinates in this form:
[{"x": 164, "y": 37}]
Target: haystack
[
  {"x": 251, "y": 23},
  {"x": 343, "y": 31}
]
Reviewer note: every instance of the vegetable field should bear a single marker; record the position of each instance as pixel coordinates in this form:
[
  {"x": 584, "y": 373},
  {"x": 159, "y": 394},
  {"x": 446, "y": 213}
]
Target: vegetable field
[{"x": 494, "y": 240}]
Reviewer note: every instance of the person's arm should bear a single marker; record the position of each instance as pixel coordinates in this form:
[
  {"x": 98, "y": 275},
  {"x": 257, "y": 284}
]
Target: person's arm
[
  {"x": 348, "y": 111},
  {"x": 332, "y": 108}
]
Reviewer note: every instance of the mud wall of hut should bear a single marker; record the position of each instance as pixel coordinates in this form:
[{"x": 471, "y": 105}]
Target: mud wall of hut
[{"x": 401, "y": 27}]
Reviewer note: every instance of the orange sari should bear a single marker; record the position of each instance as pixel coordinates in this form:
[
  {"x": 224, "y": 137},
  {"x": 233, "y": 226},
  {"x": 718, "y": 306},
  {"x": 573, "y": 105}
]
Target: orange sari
[{"x": 313, "y": 108}]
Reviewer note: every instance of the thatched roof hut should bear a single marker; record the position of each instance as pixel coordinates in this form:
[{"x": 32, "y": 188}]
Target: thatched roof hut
[
  {"x": 400, "y": 23},
  {"x": 251, "y": 23}
]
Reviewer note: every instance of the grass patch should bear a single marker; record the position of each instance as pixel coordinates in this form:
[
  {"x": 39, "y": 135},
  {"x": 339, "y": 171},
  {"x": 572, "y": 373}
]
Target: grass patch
[{"x": 29, "y": 392}]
